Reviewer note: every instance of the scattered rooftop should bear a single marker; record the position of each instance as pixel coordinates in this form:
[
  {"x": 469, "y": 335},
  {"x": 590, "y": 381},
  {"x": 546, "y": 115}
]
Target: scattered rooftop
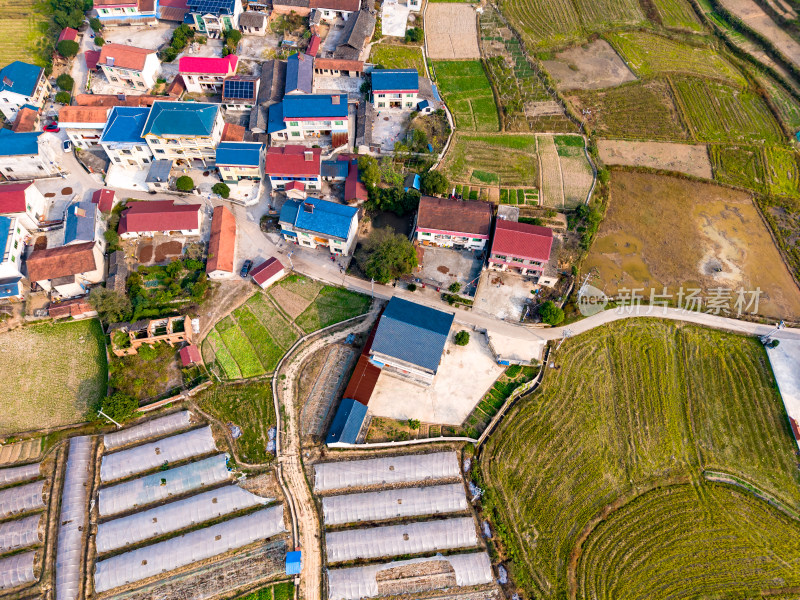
[
  {"x": 222, "y": 246},
  {"x": 455, "y": 216},
  {"x": 20, "y": 78},
  {"x": 181, "y": 118},
  {"x": 395, "y": 80},
  {"x": 208, "y": 65},
  {"x": 523, "y": 240},
  {"x": 63, "y": 261},
  {"x": 124, "y": 57},
  {"x": 125, "y": 124},
  {"x": 319, "y": 216}
]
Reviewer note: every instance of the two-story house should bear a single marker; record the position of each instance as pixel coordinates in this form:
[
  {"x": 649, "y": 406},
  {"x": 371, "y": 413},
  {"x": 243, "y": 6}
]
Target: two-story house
[
  {"x": 453, "y": 224},
  {"x": 125, "y": 12},
  {"x": 330, "y": 10},
  {"x": 395, "y": 88},
  {"x": 12, "y": 247},
  {"x": 159, "y": 216},
  {"x": 300, "y": 117},
  {"x": 83, "y": 124},
  {"x": 67, "y": 271},
  {"x": 82, "y": 224},
  {"x": 520, "y": 247},
  {"x": 238, "y": 161},
  {"x": 27, "y": 155},
  {"x": 222, "y": 244},
  {"x": 184, "y": 131},
  {"x": 122, "y": 137},
  {"x": 205, "y": 75},
  {"x": 24, "y": 202},
  {"x": 293, "y": 163},
  {"x": 129, "y": 66},
  {"x": 213, "y": 17},
  {"x": 314, "y": 222},
  {"x": 20, "y": 84}
]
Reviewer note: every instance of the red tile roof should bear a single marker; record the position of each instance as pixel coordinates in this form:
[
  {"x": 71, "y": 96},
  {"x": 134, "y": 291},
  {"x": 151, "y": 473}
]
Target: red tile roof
[
  {"x": 232, "y": 133},
  {"x": 12, "y": 197},
  {"x": 291, "y": 160},
  {"x": 177, "y": 87},
  {"x": 454, "y": 216},
  {"x": 313, "y": 45},
  {"x": 336, "y": 64},
  {"x": 173, "y": 4},
  {"x": 522, "y": 240},
  {"x": 208, "y": 65},
  {"x": 348, "y": 5},
  {"x": 222, "y": 246},
  {"x": 172, "y": 10},
  {"x": 159, "y": 215},
  {"x": 362, "y": 381},
  {"x": 295, "y": 185},
  {"x": 125, "y": 57},
  {"x": 104, "y": 198},
  {"x": 83, "y": 114},
  {"x": 190, "y": 355},
  {"x": 68, "y": 33},
  {"x": 269, "y": 268},
  {"x": 26, "y": 120},
  {"x": 354, "y": 188},
  {"x": 62, "y": 261},
  {"x": 114, "y": 3},
  {"x": 91, "y": 57},
  {"x": 69, "y": 308}
]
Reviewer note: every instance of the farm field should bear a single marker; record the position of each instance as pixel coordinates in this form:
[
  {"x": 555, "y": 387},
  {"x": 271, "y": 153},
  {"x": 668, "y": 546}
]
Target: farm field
[
  {"x": 786, "y": 106},
  {"x": 768, "y": 170},
  {"x": 248, "y": 406},
  {"x": 53, "y": 374},
  {"x": 468, "y": 93},
  {"x": 662, "y": 231},
  {"x": 588, "y": 67},
  {"x": 504, "y": 160},
  {"x": 643, "y": 111},
  {"x": 677, "y": 14},
  {"x": 754, "y": 17},
  {"x": 252, "y": 339},
  {"x": 666, "y": 403},
  {"x": 717, "y": 112},
  {"x": 576, "y": 172},
  {"x": 451, "y": 32},
  {"x": 651, "y": 55},
  {"x": 391, "y": 56},
  {"x": 23, "y": 30},
  {"x": 691, "y": 159}
]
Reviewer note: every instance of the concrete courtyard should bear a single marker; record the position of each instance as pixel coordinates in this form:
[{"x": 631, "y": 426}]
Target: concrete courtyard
[
  {"x": 503, "y": 295},
  {"x": 443, "y": 267}
]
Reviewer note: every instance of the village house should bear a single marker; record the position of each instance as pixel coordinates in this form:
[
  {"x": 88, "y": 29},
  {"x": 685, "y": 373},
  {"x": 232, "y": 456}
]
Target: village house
[
  {"x": 330, "y": 10},
  {"x": 453, "y": 223},
  {"x": 67, "y": 271},
  {"x": 253, "y": 22},
  {"x": 26, "y": 155},
  {"x": 12, "y": 247},
  {"x": 313, "y": 46},
  {"x": 301, "y": 8},
  {"x": 395, "y": 88},
  {"x": 523, "y": 248},
  {"x": 125, "y": 12},
  {"x": 122, "y": 137},
  {"x": 240, "y": 160},
  {"x": 127, "y": 338},
  {"x": 104, "y": 199},
  {"x": 190, "y": 355},
  {"x": 358, "y": 30},
  {"x": 222, "y": 245},
  {"x": 205, "y": 75},
  {"x": 128, "y": 65},
  {"x": 332, "y": 67},
  {"x": 314, "y": 222},
  {"x": 355, "y": 192},
  {"x": 159, "y": 216},
  {"x": 299, "y": 74},
  {"x": 24, "y": 202},
  {"x": 183, "y": 131},
  {"x": 172, "y": 10},
  {"x": 334, "y": 171},
  {"x": 268, "y": 272},
  {"x": 270, "y": 90},
  {"x": 158, "y": 175},
  {"x": 292, "y": 163},
  {"x": 20, "y": 84},
  {"x": 213, "y": 17},
  {"x": 239, "y": 93},
  {"x": 300, "y": 117},
  {"x": 28, "y": 119},
  {"x": 82, "y": 224},
  {"x": 83, "y": 125},
  {"x": 409, "y": 341}
]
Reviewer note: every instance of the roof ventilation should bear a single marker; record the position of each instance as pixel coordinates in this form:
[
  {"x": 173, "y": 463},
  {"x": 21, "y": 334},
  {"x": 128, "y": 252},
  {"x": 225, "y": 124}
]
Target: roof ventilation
[
  {"x": 8, "y": 82},
  {"x": 110, "y": 61},
  {"x": 309, "y": 155},
  {"x": 308, "y": 207},
  {"x": 335, "y": 99}
]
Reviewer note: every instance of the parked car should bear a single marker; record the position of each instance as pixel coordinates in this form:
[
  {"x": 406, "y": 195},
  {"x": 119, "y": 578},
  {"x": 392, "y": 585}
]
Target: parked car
[
  {"x": 248, "y": 264},
  {"x": 52, "y": 127},
  {"x": 67, "y": 146}
]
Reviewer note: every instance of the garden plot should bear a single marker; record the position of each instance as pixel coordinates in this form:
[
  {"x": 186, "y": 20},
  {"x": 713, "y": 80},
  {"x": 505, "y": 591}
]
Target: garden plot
[
  {"x": 786, "y": 106},
  {"x": 494, "y": 160},
  {"x": 468, "y": 93},
  {"x": 23, "y": 31},
  {"x": 396, "y": 56},
  {"x": 589, "y": 67},
  {"x": 68, "y": 379},
  {"x": 577, "y": 175},
  {"x": 768, "y": 170},
  {"x": 691, "y": 235},
  {"x": 451, "y": 31},
  {"x": 691, "y": 159},
  {"x": 552, "y": 180}
]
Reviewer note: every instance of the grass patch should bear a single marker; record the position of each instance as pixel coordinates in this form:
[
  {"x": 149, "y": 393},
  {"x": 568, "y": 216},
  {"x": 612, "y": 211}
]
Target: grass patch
[
  {"x": 390, "y": 56},
  {"x": 24, "y": 26},
  {"x": 305, "y": 287},
  {"x": 147, "y": 374},
  {"x": 468, "y": 93},
  {"x": 267, "y": 350},
  {"x": 678, "y": 14},
  {"x": 242, "y": 352},
  {"x": 222, "y": 356},
  {"x": 508, "y": 160},
  {"x": 331, "y": 306},
  {"x": 279, "y": 328}
]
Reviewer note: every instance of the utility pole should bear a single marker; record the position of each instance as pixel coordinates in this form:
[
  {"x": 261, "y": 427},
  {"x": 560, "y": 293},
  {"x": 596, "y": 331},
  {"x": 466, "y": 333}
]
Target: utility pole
[
  {"x": 372, "y": 283},
  {"x": 567, "y": 333},
  {"x": 100, "y": 412},
  {"x": 765, "y": 339}
]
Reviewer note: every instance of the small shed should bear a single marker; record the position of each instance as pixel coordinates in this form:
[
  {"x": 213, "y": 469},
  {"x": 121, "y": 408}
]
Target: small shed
[
  {"x": 295, "y": 190},
  {"x": 268, "y": 272},
  {"x": 294, "y": 562},
  {"x": 190, "y": 355},
  {"x": 412, "y": 182}
]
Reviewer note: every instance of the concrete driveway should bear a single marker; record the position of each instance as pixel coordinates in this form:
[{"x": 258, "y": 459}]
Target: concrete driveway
[{"x": 394, "y": 17}]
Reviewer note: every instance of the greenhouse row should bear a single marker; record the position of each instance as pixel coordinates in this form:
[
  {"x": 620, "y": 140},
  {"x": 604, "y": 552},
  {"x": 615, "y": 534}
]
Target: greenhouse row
[
  {"x": 16, "y": 570},
  {"x": 23, "y": 498},
  {"x": 17, "y": 474},
  {"x": 147, "y": 430},
  {"x": 385, "y": 471},
  {"x": 19, "y": 534}
]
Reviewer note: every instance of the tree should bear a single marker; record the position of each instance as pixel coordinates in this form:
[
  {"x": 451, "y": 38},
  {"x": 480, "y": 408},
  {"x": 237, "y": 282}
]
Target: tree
[
  {"x": 95, "y": 24},
  {"x": 455, "y": 287},
  {"x": 387, "y": 255},
  {"x": 413, "y": 424},
  {"x": 462, "y": 338},
  {"x": 233, "y": 37},
  {"x": 63, "y": 97},
  {"x": 434, "y": 182},
  {"x": 65, "y": 82},
  {"x": 184, "y": 183},
  {"x": 551, "y": 313},
  {"x": 68, "y": 48},
  {"x": 368, "y": 171},
  {"x": 112, "y": 239},
  {"x": 414, "y": 34},
  {"x": 99, "y": 42},
  {"x": 222, "y": 189},
  {"x": 112, "y": 306},
  {"x": 120, "y": 406},
  {"x": 393, "y": 199}
]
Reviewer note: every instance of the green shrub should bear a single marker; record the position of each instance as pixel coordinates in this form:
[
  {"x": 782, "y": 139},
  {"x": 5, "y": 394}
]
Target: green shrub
[
  {"x": 551, "y": 313},
  {"x": 184, "y": 183},
  {"x": 99, "y": 42},
  {"x": 65, "y": 82},
  {"x": 68, "y": 48},
  {"x": 221, "y": 189},
  {"x": 63, "y": 97},
  {"x": 455, "y": 287},
  {"x": 120, "y": 406},
  {"x": 412, "y": 287},
  {"x": 462, "y": 338},
  {"x": 415, "y": 34},
  {"x": 95, "y": 24}
]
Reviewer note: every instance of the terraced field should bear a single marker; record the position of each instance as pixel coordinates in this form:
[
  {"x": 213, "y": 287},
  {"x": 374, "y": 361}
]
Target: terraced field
[
  {"x": 468, "y": 94},
  {"x": 742, "y": 166},
  {"x": 677, "y": 14},
  {"x": 503, "y": 160},
  {"x": 785, "y": 105},
  {"x": 625, "y": 427}
]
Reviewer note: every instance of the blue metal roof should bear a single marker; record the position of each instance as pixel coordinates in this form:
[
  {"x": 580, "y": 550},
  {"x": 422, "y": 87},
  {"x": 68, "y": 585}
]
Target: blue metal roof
[
  {"x": 413, "y": 333},
  {"x": 125, "y": 124},
  {"x": 181, "y": 118},
  {"x": 19, "y": 144},
  {"x": 239, "y": 154},
  {"x": 79, "y": 225},
  {"x": 347, "y": 422},
  {"x": 19, "y": 77},
  {"x": 310, "y": 106},
  {"x": 299, "y": 73},
  {"x": 293, "y": 562},
  {"x": 436, "y": 95},
  {"x": 10, "y": 287},
  {"x": 334, "y": 168},
  {"x": 5, "y": 234},
  {"x": 319, "y": 216},
  {"x": 214, "y": 7},
  {"x": 275, "y": 119},
  {"x": 384, "y": 80}
]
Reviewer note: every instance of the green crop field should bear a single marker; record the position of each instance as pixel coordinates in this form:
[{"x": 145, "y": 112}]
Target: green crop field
[
  {"x": 782, "y": 174},
  {"x": 23, "y": 31},
  {"x": 390, "y": 56},
  {"x": 742, "y": 166},
  {"x": 332, "y": 305},
  {"x": 628, "y": 426},
  {"x": 506, "y": 160},
  {"x": 248, "y": 405},
  {"x": 786, "y": 106},
  {"x": 677, "y": 14},
  {"x": 468, "y": 93},
  {"x": 716, "y": 112},
  {"x": 651, "y": 55}
]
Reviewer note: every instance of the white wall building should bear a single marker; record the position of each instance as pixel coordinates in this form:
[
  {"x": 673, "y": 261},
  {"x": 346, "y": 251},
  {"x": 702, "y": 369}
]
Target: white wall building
[
  {"x": 129, "y": 66},
  {"x": 122, "y": 137},
  {"x": 12, "y": 246},
  {"x": 23, "y": 201},
  {"x": 27, "y": 155},
  {"x": 83, "y": 124},
  {"x": 20, "y": 84}
]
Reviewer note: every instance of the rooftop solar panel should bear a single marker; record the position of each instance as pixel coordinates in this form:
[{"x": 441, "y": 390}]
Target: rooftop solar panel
[{"x": 237, "y": 88}]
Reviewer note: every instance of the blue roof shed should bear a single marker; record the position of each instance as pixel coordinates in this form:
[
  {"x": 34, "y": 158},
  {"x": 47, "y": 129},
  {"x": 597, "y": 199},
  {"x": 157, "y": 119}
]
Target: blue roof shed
[
  {"x": 275, "y": 118},
  {"x": 294, "y": 562},
  {"x": 239, "y": 154},
  {"x": 299, "y": 73},
  {"x": 334, "y": 169},
  {"x": 319, "y": 216},
  {"x": 10, "y": 287},
  {"x": 79, "y": 225},
  {"x": 395, "y": 80},
  {"x": 347, "y": 422},
  {"x": 20, "y": 78},
  {"x": 315, "y": 106}
]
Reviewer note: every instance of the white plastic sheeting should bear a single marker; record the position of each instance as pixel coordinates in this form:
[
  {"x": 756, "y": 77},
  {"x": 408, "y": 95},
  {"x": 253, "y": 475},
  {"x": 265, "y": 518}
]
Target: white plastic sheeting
[
  {"x": 385, "y": 471},
  {"x": 149, "y": 456},
  {"x": 390, "y": 504},
  {"x": 16, "y": 570},
  {"x": 17, "y": 474},
  {"x": 174, "y": 516},
  {"x": 20, "y": 499},
  {"x": 19, "y": 534},
  {"x": 160, "y": 486},
  {"x": 395, "y": 540},
  {"x": 72, "y": 521},
  {"x": 361, "y": 582},
  {"x": 186, "y": 549},
  {"x": 149, "y": 429}
]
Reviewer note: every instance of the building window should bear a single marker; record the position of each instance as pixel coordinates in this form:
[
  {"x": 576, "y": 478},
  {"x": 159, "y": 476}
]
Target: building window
[
  {"x": 293, "y": 123},
  {"x": 338, "y": 122},
  {"x": 296, "y": 133}
]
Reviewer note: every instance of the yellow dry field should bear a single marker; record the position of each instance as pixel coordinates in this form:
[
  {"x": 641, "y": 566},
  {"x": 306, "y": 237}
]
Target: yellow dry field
[
  {"x": 451, "y": 31},
  {"x": 691, "y": 159},
  {"x": 662, "y": 231}
]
